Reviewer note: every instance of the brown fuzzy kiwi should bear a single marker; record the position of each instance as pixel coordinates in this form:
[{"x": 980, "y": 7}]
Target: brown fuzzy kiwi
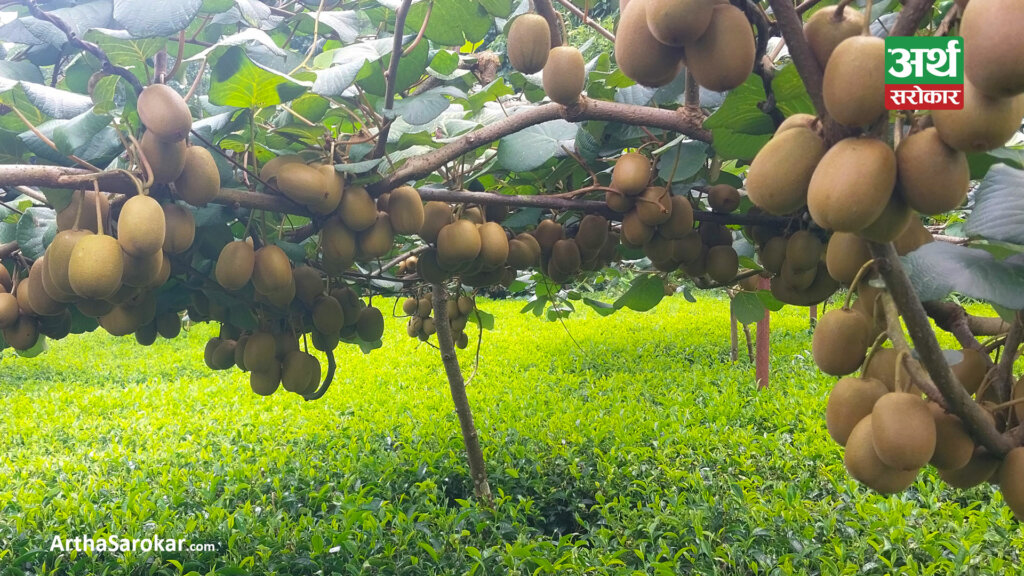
[
  {"x": 302, "y": 184},
  {"x": 634, "y": 231},
  {"x": 992, "y": 47},
  {"x": 266, "y": 382},
  {"x": 799, "y": 120},
  {"x": 953, "y": 445},
  {"x": 723, "y": 57},
  {"x": 854, "y": 83},
  {"x": 146, "y": 335},
  {"x": 49, "y": 287},
  {"x": 866, "y": 467},
  {"x": 378, "y": 240},
  {"x": 123, "y": 319},
  {"x": 281, "y": 298},
  {"x": 848, "y": 201},
  {"x": 58, "y": 258},
  {"x": 334, "y": 189},
  {"x": 713, "y": 234},
  {"x": 678, "y": 22},
  {"x": 519, "y": 255},
  {"x": 639, "y": 55},
  {"x": 840, "y": 341},
  {"x": 235, "y": 265},
  {"x": 428, "y": 268},
  {"x": 141, "y": 227},
  {"x": 654, "y": 206},
  {"x": 981, "y": 467},
  {"x": 325, "y": 342},
  {"x": 891, "y": 223},
  {"x": 260, "y": 351},
  {"x": 1011, "y": 481},
  {"x": 803, "y": 251},
  {"x": 696, "y": 267},
  {"x": 984, "y": 123},
  {"x": 23, "y": 334},
  {"x": 723, "y": 264},
  {"x": 529, "y": 40},
  {"x": 309, "y": 285},
  {"x": 547, "y": 233},
  {"x": 410, "y": 306},
  {"x": 240, "y": 344},
  {"x": 370, "y": 324},
  {"x": 269, "y": 171},
  {"x": 42, "y": 303},
  {"x": 564, "y": 75},
  {"x": 723, "y": 198},
  {"x": 271, "y": 272},
  {"x": 631, "y": 174},
  {"x": 474, "y": 214},
  {"x": 619, "y": 202},
  {"x": 338, "y": 245},
  {"x": 780, "y": 174},
  {"x": 493, "y": 245},
  {"x": 166, "y": 159},
  {"x": 773, "y": 254},
  {"x": 168, "y": 325},
  {"x": 6, "y": 282},
  {"x": 565, "y": 256},
  {"x": 142, "y": 272},
  {"x": 592, "y": 232},
  {"x": 913, "y": 237},
  {"x": 357, "y": 210},
  {"x": 93, "y": 308},
  {"x": 904, "y": 431},
  {"x": 328, "y": 316},
  {"x": 56, "y": 327},
  {"x": 882, "y": 367},
  {"x": 971, "y": 369},
  {"x": 164, "y": 112},
  {"x": 96, "y": 266},
  {"x": 466, "y": 305},
  {"x": 798, "y": 280},
  {"x": 825, "y": 30},
  {"x": 296, "y": 372},
  {"x": 8, "y": 310},
  {"x": 199, "y": 181},
  {"x": 87, "y": 219},
  {"x": 436, "y": 215},
  {"x": 849, "y": 402},
  {"x": 932, "y": 177},
  {"x": 531, "y": 242},
  {"x": 405, "y": 208},
  {"x": 845, "y": 254},
  {"x": 458, "y": 243},
  {"x": 680, "y": 222},
  {"x": 180, "y": 228}
]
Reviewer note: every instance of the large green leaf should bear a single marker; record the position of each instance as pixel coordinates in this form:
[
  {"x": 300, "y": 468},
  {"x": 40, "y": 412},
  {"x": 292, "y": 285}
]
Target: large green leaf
[
  {"x": 645, "y": 292},
  {"x": 20, "y": 70},
  {"x": 81, "y": 17},
  {"x": 531, "y": 147},
  {"x": 452, "y": 22},
  {"x": 127, "y": 52},
  {"x": 790, "y": 94},
  {"x": 345, "y": 64},
  {"x": 739, "y": 128},
  {"x": 238, "y": 81},
  {"x": 939, "y": 268},
  {"x": 682, "y": 161},
  {"x": 36, "y": 229},
  {"x": 747, "y": 308},
  {"x": 426, "y": 106},
  {"x": 146, "y": 18},
  {"x": 999, "y": 206},
  {"x": 56, "y": 103}
]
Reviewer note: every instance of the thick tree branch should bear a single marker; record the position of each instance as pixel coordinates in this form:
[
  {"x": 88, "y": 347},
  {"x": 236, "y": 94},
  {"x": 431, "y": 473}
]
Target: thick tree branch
[
  {"x": 792, "y": 29},
  {"x": 965, "y": 327},
  {"x": 391, "y": 78},
  {"x": 1003, "y": 378},
  {"x": 572, "y": 9},
  {"x": 545, "y": 9},
  {"x": 958, "y": 401},
  {"x": 910, "y": 17},
  {"x": 685, "y": 121},
  {"x": 8, "y": 249}
]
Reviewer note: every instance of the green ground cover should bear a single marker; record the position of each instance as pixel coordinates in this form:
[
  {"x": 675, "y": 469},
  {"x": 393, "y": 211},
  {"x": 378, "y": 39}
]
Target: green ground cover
[{"x": 644, "y": 452}]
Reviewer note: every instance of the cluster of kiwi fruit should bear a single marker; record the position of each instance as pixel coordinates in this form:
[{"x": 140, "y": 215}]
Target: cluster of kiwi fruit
[
  {"x": 468, "y": 242},
  {"x": 422, "y": 325},
  {"x": 796, "y": 264},
  {"x": 712, "y": 38},
  {"x": 530, "y": 51},
  {"x": 565, "y": 252}
]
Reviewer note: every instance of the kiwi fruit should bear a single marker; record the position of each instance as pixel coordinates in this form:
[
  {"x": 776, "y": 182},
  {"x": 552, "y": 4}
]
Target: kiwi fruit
[
  {"x": 631, "y": 174},
  {"x": 281, "y": 298},
  {"x": 1011, "y": 478},
  {"x": 474, "y": 214},
  {"x": 87, "y": 219},
  {"x": 853, "y": 87},
  {"x": 529, "y": 41},
  {"x": 714, "y": 234},
  {"x": 678, "y": 22},
  {"x": 798, "y": 279},
  {"x": 142, "y": 272},
  {"x": 845, "y": 254},
  {"x": 266, "y": 382},
  {"x": 798, "y": 120},
  {"x": 42, "y": 303},
  {"x": 334, "y": 189},
  {"x": 8, "y": 310},
  {"x": 235, "y": 265},
  {"x": 458, "y": 243},
  {"x": 619, "y": 202},
  {"x": 269, "y": 171},
  {"x": 828, "y": 27},
  {"x": 436, "y": 215},
  {"x": 803, "y": 251},
  {"x": 429, "y": 269},
  {"x": 302, "y": 184},
  {"x": 94, "y": 308},
  {"x": 199, "y": 181},
  {"x": 493, "y": 245},
  {"x": 849, "y": 402},
  {"x": 123, "y": 319},
  {"x": 530, "y": 241},
  {"x": 164, "y": 112},
  {"x": 913, "y": 237},
  {"x": 260, "y": 351},
  {"x": 166, "y": 159},
  {"x": 845, "y": 201},
  {"x": 932, "y": 177},
  {"x": 370, "y": 324},
  {"x": 308, "y": 284},
  {"x": 985, "y": 123},
  {"x": 357, "y": 210},
  {"x": 992, "y": 47},
  {"x": 981, "y": 467},
  {"x": 696, "y": 267},
  {"x": 325, "y": 342},
  {"x": 723, "y": 57},
  {"x": 680, "y": 221},
  {"x": 378, "y": 240},
  {"x": 271, "y": 272},
  {"x": 840, "y": 341},
  {"x": 23, "y": 334},
  {"x": 410, "y": 306},
  {"x": 891, "y": 222},
  {"x": 96, "y": 266},
  {"x": 146, "y": 335},
  {"x": 56, "y": 327},
  {"x": 773, "y": 254},
  {"x": 180, "y": 228},
  {"x": 168, "y": 325},
  {"x": 639, "y": 55},
  {"x": 328, "y": 316},
  {"x": 300, "y": 372},
  {"x": 6, "y": 282},
  {"x": 723, "y": 264},
  {"x": 903, "y": 431},
  {"x": 338, "y": 245},
  {"x": 634, "y": 231},
  {"x": 141, "y": 227},
  {"x": 970, "y": 371},
  {"x": 654, "y": 206},
  {"x": 519, "y": 255},
  {"x": 58, "y": 257},
  {"x": 780, "y": 174},
  {"x": 723, "y": 198},
  {"x": 564, "y": 75},
  {"x": 546, "y": 234},
  {"x": 565, "y": 257},
  {"x": 953, "y": 445},
  {"x": 406, "y": 210},
  {"x": 864, "y": 465}
]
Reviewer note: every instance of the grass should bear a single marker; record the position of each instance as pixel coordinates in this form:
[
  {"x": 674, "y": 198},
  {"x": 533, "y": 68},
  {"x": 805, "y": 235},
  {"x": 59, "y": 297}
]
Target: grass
[{"x": 646, "y": 452}]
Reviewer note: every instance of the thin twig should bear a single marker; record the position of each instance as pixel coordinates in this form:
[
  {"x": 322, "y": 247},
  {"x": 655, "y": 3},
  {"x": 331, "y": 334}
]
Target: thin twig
[
  {"x": 391, "y": 78},
  {"x": 587, "y": 19},
  {"x": 423, "y": 28}
]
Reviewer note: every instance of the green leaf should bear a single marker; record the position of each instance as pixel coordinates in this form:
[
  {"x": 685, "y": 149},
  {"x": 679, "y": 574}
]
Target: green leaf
[
  {"x": 486, "y": 321},
  {"x": 531, "y": 147},
  {"x": 21, "y": 70},
  {"x": 981, "y": 162},
  {"x": 127, "y": 52},
  {"x": 682, "y": 161},
  {"x": 602, "y": 308},
  {"x": 445, "y": 62},
  {"x": 36, "y": 229},
  {"x": 999, "y": 206},
  {"x": 739, "y": 128},
  {"x": 939, "y": 268},
  {"x": 645, "y": 292},
  {"x": 411, "y": 68},
  {"x": 747, "y": 308},
  {"x": 345, "y": 23},
  {"x": 238, "y": 81},
  {"x": 345, "y": 64},
  {"x": 769, "y": 301},
  {"x": 790, "y": 94},
  {"x": 452, "y": 22},
  {"x": 146, "y": 18},
  {"x": 426, "y": 106}
]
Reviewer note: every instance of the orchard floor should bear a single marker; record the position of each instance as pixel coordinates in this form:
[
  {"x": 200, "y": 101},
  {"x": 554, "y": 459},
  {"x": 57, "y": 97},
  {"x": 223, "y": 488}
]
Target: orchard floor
[{"x": 646, "y": 452}]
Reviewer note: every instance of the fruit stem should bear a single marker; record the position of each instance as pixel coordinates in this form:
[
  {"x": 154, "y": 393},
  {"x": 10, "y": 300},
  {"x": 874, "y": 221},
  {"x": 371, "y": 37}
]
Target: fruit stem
[
  {"x": 856, "y": 281},
  {"x": 901, "y": 376},
  {"x": 99, "y": 213},
  {"x": 144, "y": 160},
  {"x": 1008, "y": 404},
  {"x": 78, "y": 209},
  {"x": 879, "y": 340},
  {"x": 867, "y": 18}
]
